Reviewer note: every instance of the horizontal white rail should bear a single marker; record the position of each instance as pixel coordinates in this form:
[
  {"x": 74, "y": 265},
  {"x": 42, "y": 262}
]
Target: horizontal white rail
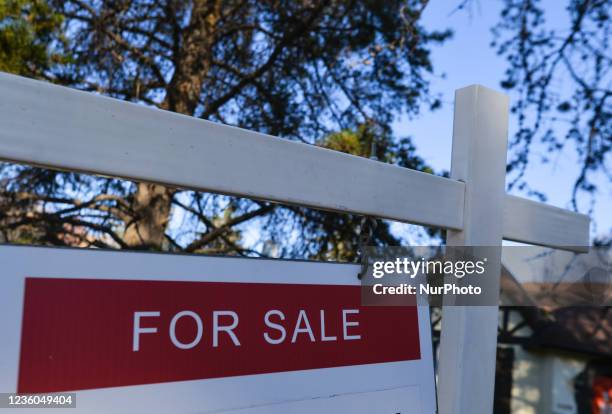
[
  {"x": 64, "y": 128},
  {"x": 531, "y": 222},
  {"x": 58, "y": 127}
]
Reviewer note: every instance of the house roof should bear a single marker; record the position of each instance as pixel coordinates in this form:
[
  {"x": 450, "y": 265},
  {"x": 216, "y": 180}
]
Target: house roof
[
  {"x": 576, "y": 329},
  {"x": 583, "y": 329}
]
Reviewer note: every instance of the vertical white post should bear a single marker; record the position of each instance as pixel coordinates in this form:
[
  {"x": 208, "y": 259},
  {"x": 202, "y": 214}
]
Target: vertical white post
[{"x": 469, "y": 334}]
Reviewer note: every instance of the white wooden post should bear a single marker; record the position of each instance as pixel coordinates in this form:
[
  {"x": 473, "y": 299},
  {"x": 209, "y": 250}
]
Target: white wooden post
[{"x": 469, "y": 334}]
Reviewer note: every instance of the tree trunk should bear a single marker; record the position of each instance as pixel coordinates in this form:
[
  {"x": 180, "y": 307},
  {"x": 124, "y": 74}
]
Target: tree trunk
[
  {"x": 151, "y": 207},
  {"x": 152, "y": 203}
]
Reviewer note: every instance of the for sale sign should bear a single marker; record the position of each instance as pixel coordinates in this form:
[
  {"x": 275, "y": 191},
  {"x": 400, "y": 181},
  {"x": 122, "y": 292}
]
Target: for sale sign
[{"x": 155, "y": 332}]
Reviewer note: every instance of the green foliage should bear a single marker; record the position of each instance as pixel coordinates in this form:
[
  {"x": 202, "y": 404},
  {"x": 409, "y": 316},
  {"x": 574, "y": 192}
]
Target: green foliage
[
  {"x": 366, "y": 141},
  {"x": 28, "y": 30},
  {"x": 301, "y": 70},
  {"x": 335, "y": 74}
]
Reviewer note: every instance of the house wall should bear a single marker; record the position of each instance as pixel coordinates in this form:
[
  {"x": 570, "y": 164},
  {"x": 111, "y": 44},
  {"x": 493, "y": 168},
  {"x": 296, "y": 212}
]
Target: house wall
[
  {"x": 565, "y": 369},
  {"x": 543, "y": 383}
]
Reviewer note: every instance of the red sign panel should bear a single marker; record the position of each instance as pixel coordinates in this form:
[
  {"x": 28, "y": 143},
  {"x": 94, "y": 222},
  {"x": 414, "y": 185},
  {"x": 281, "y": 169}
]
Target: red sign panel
[{"x": 91, "y": 333}]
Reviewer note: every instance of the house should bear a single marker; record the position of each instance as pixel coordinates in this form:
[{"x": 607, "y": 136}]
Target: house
[{"x": 549, "y": 360}]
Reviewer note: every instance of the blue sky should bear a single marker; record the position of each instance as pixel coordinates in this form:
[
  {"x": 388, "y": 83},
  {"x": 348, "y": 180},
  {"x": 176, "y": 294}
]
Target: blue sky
[{"x": 468, "y": 59}]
